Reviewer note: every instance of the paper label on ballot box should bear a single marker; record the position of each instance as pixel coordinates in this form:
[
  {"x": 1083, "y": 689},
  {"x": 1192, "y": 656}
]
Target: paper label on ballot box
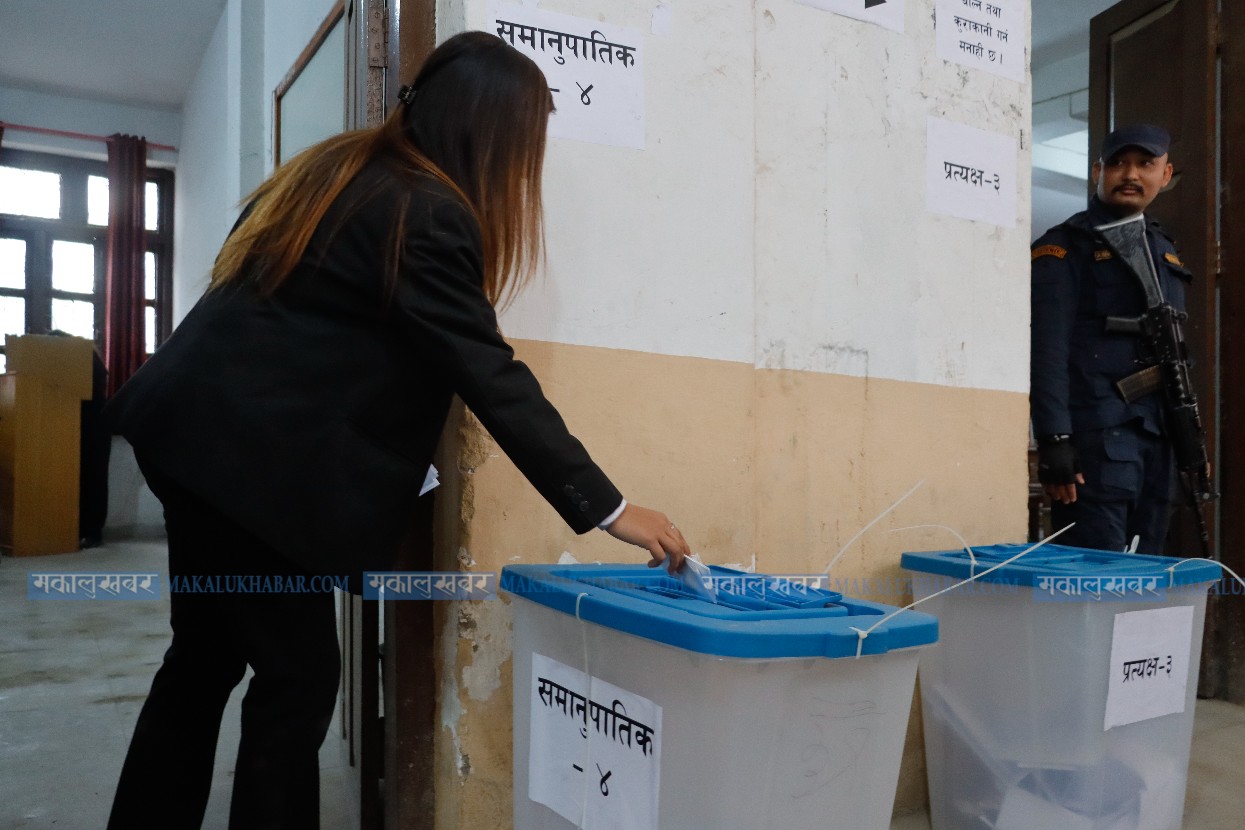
[
  {"x": 1150, "y": 652},
  {"x": 593, "y": 740}
]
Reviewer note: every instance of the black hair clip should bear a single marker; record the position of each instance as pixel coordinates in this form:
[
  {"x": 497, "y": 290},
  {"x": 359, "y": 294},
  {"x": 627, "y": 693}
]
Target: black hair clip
[{"x": 407, "y": 95}]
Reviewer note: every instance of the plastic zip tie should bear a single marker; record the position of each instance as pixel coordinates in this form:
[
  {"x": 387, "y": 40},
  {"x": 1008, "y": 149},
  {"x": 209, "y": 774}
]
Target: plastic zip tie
[
  {"x": 972, "y": 558},
  {"x": 860, "y": 643},
  {"x": 1171, "y": 572},
  {"x": 876, "y": 519},
  {"x": 583, "y": 638}
]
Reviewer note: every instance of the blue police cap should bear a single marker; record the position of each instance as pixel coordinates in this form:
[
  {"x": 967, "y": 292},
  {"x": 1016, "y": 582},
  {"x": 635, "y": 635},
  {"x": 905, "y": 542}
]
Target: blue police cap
[{"x": 1154, "y": 140}]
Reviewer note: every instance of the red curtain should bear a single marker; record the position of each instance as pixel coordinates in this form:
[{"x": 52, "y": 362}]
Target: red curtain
[{"x": 124, "y": 307}]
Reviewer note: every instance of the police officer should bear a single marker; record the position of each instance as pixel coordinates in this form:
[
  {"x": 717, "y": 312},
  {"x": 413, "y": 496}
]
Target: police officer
[{"x": 1104, "y": 463}]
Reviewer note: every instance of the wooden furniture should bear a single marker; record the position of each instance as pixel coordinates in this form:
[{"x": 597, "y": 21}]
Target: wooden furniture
[{"x": 40, "y": 408}]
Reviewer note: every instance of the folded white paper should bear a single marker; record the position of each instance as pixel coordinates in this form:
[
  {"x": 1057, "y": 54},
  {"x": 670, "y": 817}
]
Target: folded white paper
[
  {"x": 695, "y": 577},
  {"x": 430, "y": 480}
]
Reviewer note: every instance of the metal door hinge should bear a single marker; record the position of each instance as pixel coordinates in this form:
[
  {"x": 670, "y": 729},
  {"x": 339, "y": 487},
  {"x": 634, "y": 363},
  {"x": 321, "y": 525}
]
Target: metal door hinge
[{"x": 377, "y": 34}]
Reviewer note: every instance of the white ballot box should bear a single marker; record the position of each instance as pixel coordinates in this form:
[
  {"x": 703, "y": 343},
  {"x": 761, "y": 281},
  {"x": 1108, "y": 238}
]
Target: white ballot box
[
  {"x": 1061, "y": 693},
  {"x": 640, "y": 703}
]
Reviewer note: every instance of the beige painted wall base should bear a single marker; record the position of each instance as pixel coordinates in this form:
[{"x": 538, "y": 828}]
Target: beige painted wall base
[{"x": 766, "y": 468}]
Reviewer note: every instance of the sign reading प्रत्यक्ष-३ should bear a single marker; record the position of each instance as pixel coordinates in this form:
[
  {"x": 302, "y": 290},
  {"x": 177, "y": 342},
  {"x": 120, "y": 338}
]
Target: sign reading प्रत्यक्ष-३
[
  {"x": 983, "y": 34},
  {"x": 593, "y": 741},
  {"x": 1149, "y": 671},
  {"x": 595, "y": 72},
  {"x": 885, "y": 13},
  {"x": 970, "y": 173}
]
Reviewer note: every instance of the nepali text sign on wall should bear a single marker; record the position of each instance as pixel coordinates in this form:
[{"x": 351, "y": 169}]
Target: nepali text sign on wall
[
  {"x": 595, "y": 72},
  {"x": 970, "y": 173},
  {"x": 985, "y": 34}
]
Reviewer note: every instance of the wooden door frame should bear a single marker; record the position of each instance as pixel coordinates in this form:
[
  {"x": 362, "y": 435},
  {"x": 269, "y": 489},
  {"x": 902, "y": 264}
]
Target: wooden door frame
[
  {"x": 412, "y": 37},
  {"x": 365, "y": 34},
  {"x": 1212, "y": 302},
  {"x": 1197, "y": 168},
  {"x": 410, "y": 654},
  {"x": 1230, "y": 610}
]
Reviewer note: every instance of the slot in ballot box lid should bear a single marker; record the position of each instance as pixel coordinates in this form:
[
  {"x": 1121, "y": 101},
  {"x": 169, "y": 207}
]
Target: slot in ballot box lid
[
  {"x": 1059, "y": 561},
  {"x": 756, "y": 616}
]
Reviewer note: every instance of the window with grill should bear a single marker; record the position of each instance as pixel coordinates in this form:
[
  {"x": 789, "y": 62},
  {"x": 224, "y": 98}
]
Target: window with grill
[{"x": 53, "y": 235}]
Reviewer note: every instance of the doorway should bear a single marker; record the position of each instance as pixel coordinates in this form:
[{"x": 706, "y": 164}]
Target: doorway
[{"x": 1098, "y": 64}]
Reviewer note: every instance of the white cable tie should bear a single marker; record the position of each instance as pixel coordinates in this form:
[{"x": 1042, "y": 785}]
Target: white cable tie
[
  {"x": 583, "y": 636},
  {"x": 1235, "y": 575},
  {"x": 1132, "y": 546},
  {"x": 1002, "y": 564},
  {"x": 1171, "y": 572},
  {"x": 971, "y": 557},
  {"x": 876, "y": 519},
  {"x": 860, "y": 639}
]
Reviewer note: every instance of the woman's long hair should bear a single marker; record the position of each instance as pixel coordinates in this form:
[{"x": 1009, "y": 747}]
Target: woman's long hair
[{"x": 477, "y": 123}]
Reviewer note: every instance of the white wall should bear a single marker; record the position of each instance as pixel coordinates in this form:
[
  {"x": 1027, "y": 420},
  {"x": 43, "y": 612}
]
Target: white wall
[
  {"x": 652, "y": 250},
  {"x": 246, "y": 76},
  {"x": 777, "y": 215},
  {"x": 227, "y": 150},
  {"x": 855, "y": 276},
  {"x": 206, "y": 198},
  {"x": 82, "y": 115},
  {"x": 133, "y": 510}
]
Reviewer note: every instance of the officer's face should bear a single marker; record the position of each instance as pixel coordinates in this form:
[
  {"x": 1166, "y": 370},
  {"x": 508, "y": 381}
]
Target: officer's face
[{"x": 1129, "y": 180}]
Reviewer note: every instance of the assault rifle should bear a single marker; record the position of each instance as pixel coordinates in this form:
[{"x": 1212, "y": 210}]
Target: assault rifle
[{"x": 1161, "y": 329}]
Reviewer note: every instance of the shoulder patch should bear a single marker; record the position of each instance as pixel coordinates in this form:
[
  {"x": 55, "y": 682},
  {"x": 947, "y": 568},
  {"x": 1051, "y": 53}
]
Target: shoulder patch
[
  {"x": 1099, "y": 256},
  {"x": 1049, "y": 250},
  {"x": 1173, "y": 259}
]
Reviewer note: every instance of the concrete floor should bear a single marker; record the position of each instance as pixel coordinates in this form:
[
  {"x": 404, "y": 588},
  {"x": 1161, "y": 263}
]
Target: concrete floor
[{"x": 73, "y": 676}]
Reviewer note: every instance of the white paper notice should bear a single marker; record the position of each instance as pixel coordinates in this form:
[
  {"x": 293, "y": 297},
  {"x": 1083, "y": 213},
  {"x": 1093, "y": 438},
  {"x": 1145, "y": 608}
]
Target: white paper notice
[
  {"x": 970, "y": 173},
  {"x": 1149, "y": 664},
  {"x": 606, "y": 746},
  {"x": 886, "y": 13},
  {"x": 595, "y": 71},
  {"x": 984, "y": 34}
]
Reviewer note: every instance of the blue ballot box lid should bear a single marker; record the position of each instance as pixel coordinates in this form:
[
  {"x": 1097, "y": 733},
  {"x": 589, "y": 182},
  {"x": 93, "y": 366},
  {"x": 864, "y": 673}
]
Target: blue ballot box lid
[
  {"x": 756, "y": 616},
  {"x": 1059, "y": 561}
]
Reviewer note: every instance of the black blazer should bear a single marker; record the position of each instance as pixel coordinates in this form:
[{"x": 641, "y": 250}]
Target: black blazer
[{"x": 310, "y": 416}]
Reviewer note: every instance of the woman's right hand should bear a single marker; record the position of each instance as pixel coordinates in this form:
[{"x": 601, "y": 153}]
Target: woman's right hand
[{"x": 653, "y": 531}]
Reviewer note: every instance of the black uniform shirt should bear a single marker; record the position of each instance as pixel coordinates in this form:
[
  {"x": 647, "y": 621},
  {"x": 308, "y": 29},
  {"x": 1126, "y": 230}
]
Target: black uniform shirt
[{"x": 1074, "y": 363}]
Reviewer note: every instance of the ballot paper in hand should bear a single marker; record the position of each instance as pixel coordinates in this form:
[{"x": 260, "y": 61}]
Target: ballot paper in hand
[{"x": 695, "y": 577}]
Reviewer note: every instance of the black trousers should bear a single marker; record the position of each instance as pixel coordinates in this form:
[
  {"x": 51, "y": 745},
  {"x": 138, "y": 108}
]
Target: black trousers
[
  {"x": 95, "y": 448},
  {"x": 289, "y": 639},
  {"x": 1130, "y": 481}
]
